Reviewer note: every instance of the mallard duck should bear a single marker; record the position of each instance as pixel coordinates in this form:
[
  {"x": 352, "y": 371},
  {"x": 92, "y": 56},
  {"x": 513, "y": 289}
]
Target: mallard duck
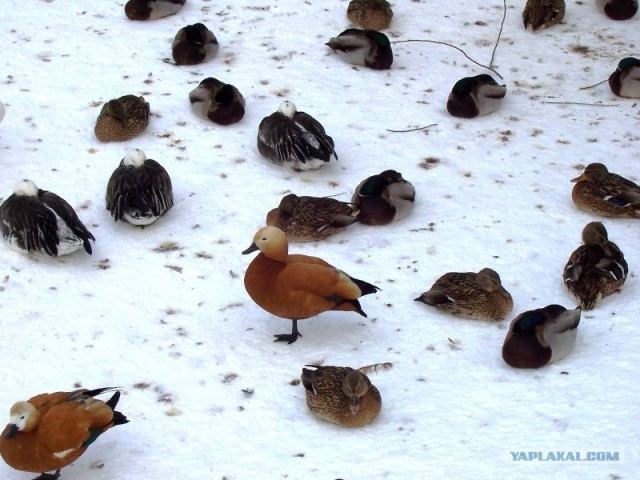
[
  {"x": 342, "y": 395},
  {"x": 296, "y": 287},
  {"x": 151, "y": 9},
  {"x": 220, "y": 102},
  {"x": 478, "y": 296},
  {"x": 474, "y": 96},
  {"x": 542, "y": 336},
  {"x": 122, "y": 119},
  {"x": 307, "y": 219},
  {"x": 368, "y": 48},
  {"x": 51, "y": 430},
  {"x": 542, "y": 13},
  {"x": 370, "y": 14},
  {"x": 294, "y": 139},
  {"x": 596, "y": 269},
  {"x": 139, "y": 191},
  {"x": 625, "y": 81},
  {"x": 36, "y": 221},
  {"x": 618, "y": 9},
  {"x": 383, "y": 198},
  {"x": 603, "y": 193},
  {"x": 194, "y": 44}
]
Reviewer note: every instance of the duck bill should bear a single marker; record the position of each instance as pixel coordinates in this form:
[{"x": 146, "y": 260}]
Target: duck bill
[
  {"x": 355, "y": 405},
  {"x": 252, "y": 248},
  {"x": 577, "y": 179},
  {"x": 12, "y": 429}
]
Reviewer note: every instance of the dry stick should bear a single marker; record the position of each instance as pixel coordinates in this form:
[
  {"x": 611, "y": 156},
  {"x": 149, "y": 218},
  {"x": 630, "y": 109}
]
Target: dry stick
[
  {"x": 591, "y": 86},
  {"x": 452, "y": 46},
  {"x": 412, "y": 129},
  {"x": 580, "y": 103},
  {"x": 504, "y": 15}
]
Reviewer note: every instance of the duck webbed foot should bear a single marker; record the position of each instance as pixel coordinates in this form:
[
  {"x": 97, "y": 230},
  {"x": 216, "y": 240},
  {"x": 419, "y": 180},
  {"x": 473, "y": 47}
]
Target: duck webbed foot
[{"x": 289, "y": 337}]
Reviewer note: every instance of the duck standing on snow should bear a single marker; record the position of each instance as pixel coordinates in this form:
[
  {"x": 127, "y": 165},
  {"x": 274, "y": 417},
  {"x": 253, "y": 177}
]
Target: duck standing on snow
[
  {"x": 604, "y": 193},
  {"x": 342, "y": 395},
  {"x": 51, "y": 430},
  {"x": 308, "y": 219},
  {"x": 383, "y": 198},
  {"x": 296, "y": 287},
  {"x": 151, "y": 9},
  {"x": 368, "y": 48},
  {"x": 220, "y": 102},
  {"x": 625, "y": 81},
  {"x": 478, "y": 296},
  {"x": 294, "y": 139},
  {"x": 36, "y": 221},
  {"x": 139, "y": 190},
  {"x": 596, "y": 269},
  {"x": 122, "y": 119},
  {"x": 618, "y": 9},
  {"x": 542, "y": 13},
  {"x": 370, "y": 14},
  {"x": 542, "y": 336},
  {"x": 474, "y": 96},
  {"x": 194, "y": 44}
]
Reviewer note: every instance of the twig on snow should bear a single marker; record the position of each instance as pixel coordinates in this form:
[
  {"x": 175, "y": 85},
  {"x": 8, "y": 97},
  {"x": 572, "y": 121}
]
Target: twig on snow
[
  {"x": 591, "y": 86},
  {"x": 504, "y": 15},
  {"x": 452, "y": 46},
  {"x": 581, "y": 103},
  {"x": 412, "y": 129}
]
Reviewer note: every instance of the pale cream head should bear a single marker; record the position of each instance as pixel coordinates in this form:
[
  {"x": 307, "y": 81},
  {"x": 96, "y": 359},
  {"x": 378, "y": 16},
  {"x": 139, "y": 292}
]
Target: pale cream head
[
  {"x": 135, "y": 158},
  {"x": 24, "y": 416},
  {"x": 287, "y": 108},
  {"x": 26, "y": 188}
]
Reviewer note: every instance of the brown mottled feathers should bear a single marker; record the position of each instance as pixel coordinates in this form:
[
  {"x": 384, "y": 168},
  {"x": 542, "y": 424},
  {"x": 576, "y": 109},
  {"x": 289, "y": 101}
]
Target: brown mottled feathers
[
  {"x": 341, "y": 395},
  {"x": 307, "y": 219}
]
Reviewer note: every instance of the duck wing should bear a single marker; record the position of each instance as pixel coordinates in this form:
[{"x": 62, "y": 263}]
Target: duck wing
[{"x": 31, "y": 222}]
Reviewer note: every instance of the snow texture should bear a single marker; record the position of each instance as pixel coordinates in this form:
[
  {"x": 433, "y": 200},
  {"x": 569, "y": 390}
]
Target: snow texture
[{"x": 162, "y": 311}]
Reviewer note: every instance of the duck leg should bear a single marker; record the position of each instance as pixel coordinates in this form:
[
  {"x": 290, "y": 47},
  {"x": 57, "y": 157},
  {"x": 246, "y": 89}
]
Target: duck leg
[
  {"x": 289, "y": 338},
  {"x": 48, "y": 476}
]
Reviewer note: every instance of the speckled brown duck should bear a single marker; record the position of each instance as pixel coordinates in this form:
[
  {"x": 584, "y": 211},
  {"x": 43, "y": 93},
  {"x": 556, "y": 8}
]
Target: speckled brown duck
[
  {"x": 477, "y": 296},
  {"x": 309, "y": 219},
  {"x": 601, "y": 192},
  {"x": 122, "y": 119},
  {"x": 370, "y": 14},
  {"x": 595, "y": 269},
  {"x": 542, "y": 13},
  {"x": 342, "y": 395}
]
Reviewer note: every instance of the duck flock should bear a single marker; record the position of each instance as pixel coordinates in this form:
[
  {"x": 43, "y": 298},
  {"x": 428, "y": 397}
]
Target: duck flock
[{"x": 288, "y": 274}]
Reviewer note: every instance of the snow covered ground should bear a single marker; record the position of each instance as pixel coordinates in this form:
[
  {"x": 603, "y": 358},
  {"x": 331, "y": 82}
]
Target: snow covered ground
[{"x": 162, "y": 311}]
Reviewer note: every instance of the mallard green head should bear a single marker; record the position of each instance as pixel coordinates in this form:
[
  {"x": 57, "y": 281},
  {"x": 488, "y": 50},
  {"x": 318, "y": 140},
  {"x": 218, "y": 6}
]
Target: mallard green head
[
  {"x": 378, "y": 37},
  {"x": 374, "y": 186},
  {"x": 464, "y": 86},
  {"x": 529, "y": 322},
  {"x": 628, "y": 63}
]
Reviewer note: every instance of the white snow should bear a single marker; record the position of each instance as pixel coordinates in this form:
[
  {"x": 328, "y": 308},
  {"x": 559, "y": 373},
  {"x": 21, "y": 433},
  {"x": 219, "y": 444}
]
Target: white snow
[{"x": 162, "y": 311}]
